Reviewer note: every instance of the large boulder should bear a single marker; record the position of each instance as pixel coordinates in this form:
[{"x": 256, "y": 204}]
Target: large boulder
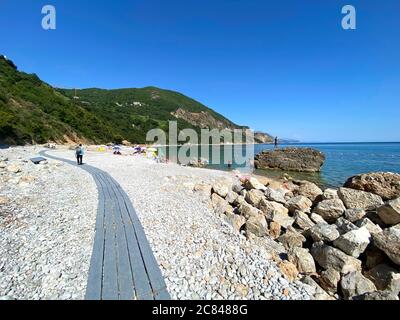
[
  {"x": 289, "y": 270},
  {"x": 385, "y": 278},
  {"x": 292, "y": 239},
  {"x": 320, "y": 294},
  {"x": 221, "y": 188},
  {"x": 257, "y": 225},
  {"x": 253, "y": 183},
  {"x": 371, "y": 227},
  {"x": 308, "y": 189},
  {"x": 330, "y": 257},
  {"x": 353, "y": 215},
  {"x": 355, "y": 199},
  {"x": 355, "y": 284},
  {"x": 384, "y": 184},
  {"x": 219, "y": 204},
  {"x": 247, "y": 210},
  {"x": 390, "y": 212},
  {"x": 330, "y": 210},
  {"x": 291, "y": 159},
  {"x": 329, "y": 280},
  {"x": 299, "y": 203},
  {"x": 269, "y": 208},
  {"x": 254, "y": 197},
  {"x": 277, "y": 195},
  {"x": 303, "y": 221},
  {"x": 330, "y": 194},
  {"x": 235, "y": 221},
  {"x": 354, "y": 242},
  {"x": 302, "y": 259},
  {"x": 324, "y": 232},
  {"x": 345, "y": 226},
  {"x": 389, "y": 242}
]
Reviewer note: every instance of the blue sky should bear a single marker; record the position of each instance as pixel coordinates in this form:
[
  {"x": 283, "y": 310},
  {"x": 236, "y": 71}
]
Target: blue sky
[{"x": 285, "y": 67}]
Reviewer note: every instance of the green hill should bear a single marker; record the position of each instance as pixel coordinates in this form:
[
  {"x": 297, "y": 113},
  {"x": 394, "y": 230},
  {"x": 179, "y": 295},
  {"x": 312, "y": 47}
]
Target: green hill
[{"x": 32, "y": 111}]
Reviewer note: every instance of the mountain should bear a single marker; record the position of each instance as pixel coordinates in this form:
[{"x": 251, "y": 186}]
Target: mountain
[{"x": 32, "y": 111}]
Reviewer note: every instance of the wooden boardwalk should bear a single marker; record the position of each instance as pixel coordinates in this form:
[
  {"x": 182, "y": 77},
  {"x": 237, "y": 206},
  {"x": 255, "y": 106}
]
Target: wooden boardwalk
[{"x": 122, "y": 266}]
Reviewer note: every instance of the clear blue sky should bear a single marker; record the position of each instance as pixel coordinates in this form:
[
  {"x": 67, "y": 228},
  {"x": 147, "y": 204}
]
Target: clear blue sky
[{"x": 284, "y": 67}]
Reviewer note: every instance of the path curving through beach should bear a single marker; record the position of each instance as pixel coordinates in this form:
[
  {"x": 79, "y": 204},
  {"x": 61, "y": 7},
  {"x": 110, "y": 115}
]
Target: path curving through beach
[{"x": 123, "y": 266}]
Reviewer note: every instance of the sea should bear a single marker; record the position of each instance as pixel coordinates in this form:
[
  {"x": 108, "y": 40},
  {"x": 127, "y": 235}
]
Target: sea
[{"x": 343, "y": 160}]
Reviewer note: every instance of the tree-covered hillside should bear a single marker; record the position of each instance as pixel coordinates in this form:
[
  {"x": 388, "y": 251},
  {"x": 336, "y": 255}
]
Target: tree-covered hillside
[{"x": 32, "y": 111}]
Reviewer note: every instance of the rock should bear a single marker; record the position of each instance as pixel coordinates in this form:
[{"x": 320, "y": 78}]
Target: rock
[
  {"x": 13, "y": 168},
  {"x": 308, "y": 189},
  {"x": 317, "y": 218},
  {"x": 345, "y": 226},
  {"x": 320, "y": 294},
  {"x": 303, "y": 221},
  {"x": 229, "y": 210},
  {"x": 389, "y": 242},
  {"x": 355, "y": 199},
  {"x": 4, "y": 200},
  {"x": 385, "y": 278},
  {"x": 257, "y": 225},
  {"x": 299, "y": 203},
  {"x": 3, "y": 165},
  {"x": 219, "y": 204},
  {"x": 292, "y": 239},
  {"x": 276, "y": 195},
  {"x": 302, "y": 259},
  {"x": 291, "y": 159},
  {"x": 236, "y": 221},
  {"x": 203, "y": 189},
  {"x": 324, "y": 232},
  {"x": 384, "y": 184},
  {"x": 371, "y": 227},
  {"x": 282, "y": 218},
  {"x": 374, "y": 257},
  {"x": 237, "y": 188},
  {"x": 254, "y": 197},
  {"x": 330, "y": 194},
  {"x": 329, "y": 280},
  {"x": 378, "y": 295},
  {"x": 231, "y": 197},
  {"x": 329, "y": 257},
  {"x": 390, "y": 212},
  {"x": 355, "y": 284},
  {"x": 248, "y": 211},
  {"x": 239, "y": 201},
  {"x": 253, "y": 183},
  {"x": 221, "y": 188},
  {"x": 289, "y": 270},
  {"x": 354, "y": 242},
  {"x": 269, "y": 208},
  {"x": 330, "y": 210},
  {"x": 354, "y": 215},
  {"x": 275, "y": 230}
]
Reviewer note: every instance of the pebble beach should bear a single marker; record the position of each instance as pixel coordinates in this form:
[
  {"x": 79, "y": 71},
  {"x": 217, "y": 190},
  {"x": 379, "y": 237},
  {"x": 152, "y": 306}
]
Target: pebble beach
[{"x": 47, "y": 216}]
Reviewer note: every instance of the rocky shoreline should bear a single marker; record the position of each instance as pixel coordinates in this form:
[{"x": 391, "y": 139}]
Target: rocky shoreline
[{"x": 344, "y": 243}]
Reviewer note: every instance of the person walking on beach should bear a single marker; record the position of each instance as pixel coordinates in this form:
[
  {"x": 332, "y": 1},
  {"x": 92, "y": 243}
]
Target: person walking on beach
[
  {"x": 276, "y": 142},
  {"x": 80, "y": 151}
]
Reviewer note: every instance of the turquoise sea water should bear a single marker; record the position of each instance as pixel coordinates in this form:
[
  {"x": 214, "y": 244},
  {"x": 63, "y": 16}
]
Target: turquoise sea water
[{"x": 343, "y": 160}]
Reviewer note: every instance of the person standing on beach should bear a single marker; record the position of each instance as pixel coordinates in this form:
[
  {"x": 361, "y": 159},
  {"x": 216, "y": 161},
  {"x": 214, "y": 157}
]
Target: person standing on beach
[
  {"x": 276, "y": 142},
  {"x": 80, "y": 151}
]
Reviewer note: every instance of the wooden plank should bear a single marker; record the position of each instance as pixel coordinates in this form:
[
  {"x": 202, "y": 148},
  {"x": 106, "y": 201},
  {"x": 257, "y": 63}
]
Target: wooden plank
[
  {"x": 125, "y": 280},
  {"x": 140, "y": 277},
  {"x": 95, "y": 277},
  {"x": 153, "y": 270},
  {"x": 110, "y": 270}
]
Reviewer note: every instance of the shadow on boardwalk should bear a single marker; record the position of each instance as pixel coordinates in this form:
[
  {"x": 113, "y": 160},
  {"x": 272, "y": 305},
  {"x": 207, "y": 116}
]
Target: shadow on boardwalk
[{"x": 122, "y": 266}]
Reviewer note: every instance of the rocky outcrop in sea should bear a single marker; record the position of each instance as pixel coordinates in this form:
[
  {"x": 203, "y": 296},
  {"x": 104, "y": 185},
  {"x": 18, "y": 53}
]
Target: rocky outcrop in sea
[{"x": 291, "y": 159}]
